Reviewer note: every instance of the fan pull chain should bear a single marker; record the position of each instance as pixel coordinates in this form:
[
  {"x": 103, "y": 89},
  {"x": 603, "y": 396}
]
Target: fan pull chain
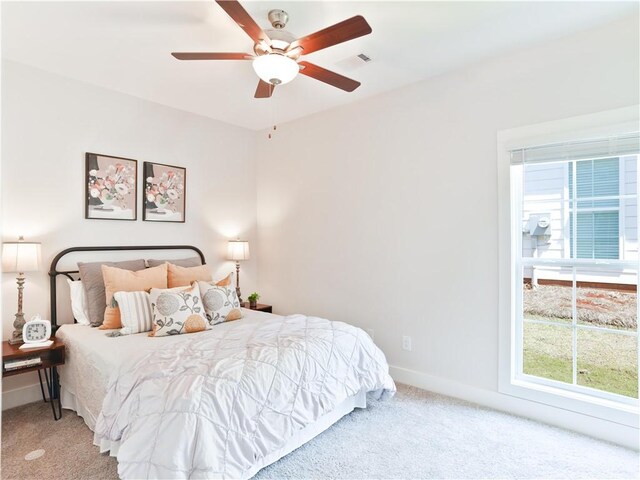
[{"x": 273, "y": 117}]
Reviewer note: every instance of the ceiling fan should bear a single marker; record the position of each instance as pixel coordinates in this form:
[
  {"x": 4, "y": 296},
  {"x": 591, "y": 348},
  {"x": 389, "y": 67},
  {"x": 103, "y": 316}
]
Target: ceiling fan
[{"x": 277, "y": 52}]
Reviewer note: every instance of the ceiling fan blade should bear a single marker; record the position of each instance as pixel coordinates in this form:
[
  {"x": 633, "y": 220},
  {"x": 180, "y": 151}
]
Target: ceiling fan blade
[
  {"x": 344, "y": 31},
  {"x": 244, "y": 20},
  {"x": 264, "y": 90},
  {"x": 211, "y": 56},
  {"x": 329, "y": 77}
]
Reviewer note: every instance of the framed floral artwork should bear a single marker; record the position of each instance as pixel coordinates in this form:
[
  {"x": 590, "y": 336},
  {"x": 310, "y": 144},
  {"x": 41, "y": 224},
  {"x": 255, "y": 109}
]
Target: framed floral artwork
[
  {"x": 111, "y": 184},
  {"x": 165, "y": 193}
]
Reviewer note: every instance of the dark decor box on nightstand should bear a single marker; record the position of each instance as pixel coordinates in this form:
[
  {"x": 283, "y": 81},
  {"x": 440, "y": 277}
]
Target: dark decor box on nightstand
[{"x": 260, "y": 307}]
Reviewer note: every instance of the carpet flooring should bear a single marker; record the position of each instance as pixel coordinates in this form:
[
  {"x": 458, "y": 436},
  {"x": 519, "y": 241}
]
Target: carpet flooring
[{"x": 417, "y": 434}]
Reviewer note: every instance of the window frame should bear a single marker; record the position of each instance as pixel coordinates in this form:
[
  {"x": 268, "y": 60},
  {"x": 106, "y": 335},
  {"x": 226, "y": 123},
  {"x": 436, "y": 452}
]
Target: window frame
[{"x": 567, "y": 130}]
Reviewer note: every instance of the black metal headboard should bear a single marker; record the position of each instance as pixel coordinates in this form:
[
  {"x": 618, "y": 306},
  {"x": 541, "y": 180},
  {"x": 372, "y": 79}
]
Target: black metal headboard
[{"x": 54, "y": 272}]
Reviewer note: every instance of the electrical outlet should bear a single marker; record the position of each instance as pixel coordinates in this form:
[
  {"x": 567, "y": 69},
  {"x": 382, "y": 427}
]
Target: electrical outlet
[
  {"x": 371, "y": 333},
  {"x": 406, "y": 342}
]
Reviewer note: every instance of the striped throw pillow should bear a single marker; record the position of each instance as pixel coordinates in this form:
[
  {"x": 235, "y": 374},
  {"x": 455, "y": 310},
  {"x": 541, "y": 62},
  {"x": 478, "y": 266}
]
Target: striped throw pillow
[{"x": 135, "y": 312}]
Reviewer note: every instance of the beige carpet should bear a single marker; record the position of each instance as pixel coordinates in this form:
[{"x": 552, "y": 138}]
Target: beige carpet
[{"x": 415, "y": 435}]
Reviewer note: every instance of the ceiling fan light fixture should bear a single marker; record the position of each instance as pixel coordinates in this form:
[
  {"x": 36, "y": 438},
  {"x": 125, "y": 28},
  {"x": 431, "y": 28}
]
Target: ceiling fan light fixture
[{"x": 275, "y": 68}]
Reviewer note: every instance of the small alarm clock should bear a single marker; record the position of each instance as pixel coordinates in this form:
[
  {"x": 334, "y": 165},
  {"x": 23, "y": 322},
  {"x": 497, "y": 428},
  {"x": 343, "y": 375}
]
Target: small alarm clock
[{"x": 36, "y": 330}]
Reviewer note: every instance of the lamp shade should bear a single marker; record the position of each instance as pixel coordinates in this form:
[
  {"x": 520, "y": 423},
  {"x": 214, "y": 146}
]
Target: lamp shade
[
  {"x": 20, "y": 256},
  {"x": 238, "y": 250},
  {"x": 275, "y": 68}
]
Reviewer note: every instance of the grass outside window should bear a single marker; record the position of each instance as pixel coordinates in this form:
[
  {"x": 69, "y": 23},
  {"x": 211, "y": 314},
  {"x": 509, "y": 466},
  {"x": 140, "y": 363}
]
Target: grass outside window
[{"x": 605, "y": 361}]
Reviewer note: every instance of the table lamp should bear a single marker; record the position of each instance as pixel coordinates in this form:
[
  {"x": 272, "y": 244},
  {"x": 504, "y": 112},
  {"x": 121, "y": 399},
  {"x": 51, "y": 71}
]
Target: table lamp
[
  {"x": 20, "y": 257},
  {"x": 238, "y": 250}
]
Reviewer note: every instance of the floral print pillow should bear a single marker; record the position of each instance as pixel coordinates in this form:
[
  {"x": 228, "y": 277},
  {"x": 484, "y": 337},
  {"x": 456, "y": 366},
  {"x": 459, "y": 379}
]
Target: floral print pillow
[
  {"x": 221, "y": 302},
  {"x": 177, "y": 310}
]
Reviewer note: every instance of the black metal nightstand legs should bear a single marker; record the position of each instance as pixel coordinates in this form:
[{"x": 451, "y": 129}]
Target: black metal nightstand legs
[
  {"x": 41, "y": 387},
  {"x": 53, "y": 389}
]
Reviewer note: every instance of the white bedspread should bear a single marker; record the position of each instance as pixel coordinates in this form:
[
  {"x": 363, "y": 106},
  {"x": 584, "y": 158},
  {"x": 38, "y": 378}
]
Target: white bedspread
[
  {"x": 216, "y": 403},
  {"x": 92, "y": 358}
]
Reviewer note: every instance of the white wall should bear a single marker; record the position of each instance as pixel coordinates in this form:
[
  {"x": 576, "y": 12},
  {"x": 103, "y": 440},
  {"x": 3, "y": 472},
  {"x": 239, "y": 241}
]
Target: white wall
[
  {"x": 49, "y": 122},
  {"x": 384, "y": 213}
]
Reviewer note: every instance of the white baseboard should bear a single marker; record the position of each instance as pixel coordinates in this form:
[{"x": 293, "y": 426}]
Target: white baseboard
[
  {"x": 21, "y": 396},
  {"x": 612, "y": 432}
]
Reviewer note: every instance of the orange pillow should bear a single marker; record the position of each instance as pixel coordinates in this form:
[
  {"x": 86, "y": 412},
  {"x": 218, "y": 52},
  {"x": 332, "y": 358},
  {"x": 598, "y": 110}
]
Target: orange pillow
[
  {"x": 184, "y": 276},
  {"x": 119, "y": 280},
  {"x": 226, "y": 281}
]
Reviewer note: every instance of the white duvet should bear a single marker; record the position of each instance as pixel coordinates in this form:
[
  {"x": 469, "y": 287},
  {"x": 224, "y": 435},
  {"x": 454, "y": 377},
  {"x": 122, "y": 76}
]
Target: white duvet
[{"x": 217, "y": 402}]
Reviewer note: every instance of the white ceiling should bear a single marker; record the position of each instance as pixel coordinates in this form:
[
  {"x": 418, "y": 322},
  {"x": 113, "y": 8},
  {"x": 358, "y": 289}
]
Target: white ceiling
[{"x": 125, "y": 46}]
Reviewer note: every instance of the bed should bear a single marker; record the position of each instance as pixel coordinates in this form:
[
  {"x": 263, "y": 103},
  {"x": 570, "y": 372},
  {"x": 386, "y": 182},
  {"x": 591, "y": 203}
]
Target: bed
[{"x": 222, "y": 403}]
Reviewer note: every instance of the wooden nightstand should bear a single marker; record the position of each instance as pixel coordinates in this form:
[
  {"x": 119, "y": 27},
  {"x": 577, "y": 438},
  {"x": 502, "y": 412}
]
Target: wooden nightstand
[
  {"x": 50, "y": 358},
  {"x": 260, "y": 307}
]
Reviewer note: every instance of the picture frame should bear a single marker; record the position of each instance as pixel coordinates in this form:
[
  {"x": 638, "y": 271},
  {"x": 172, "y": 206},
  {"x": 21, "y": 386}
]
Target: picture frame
[
  {"x": 110, "y": 187},
  {"x": 164, "y": 193}
]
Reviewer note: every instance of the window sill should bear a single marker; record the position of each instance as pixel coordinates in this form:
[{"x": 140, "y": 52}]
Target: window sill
[{"x": 623, "y": 414}]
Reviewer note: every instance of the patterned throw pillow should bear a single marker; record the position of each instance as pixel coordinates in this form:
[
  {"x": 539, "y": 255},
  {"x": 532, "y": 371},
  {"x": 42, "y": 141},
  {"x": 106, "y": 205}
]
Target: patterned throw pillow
[
  {"x": 220, "y": 301},
  {"x": 135, "y": 312},
  {"x": 177, "y": 310}
]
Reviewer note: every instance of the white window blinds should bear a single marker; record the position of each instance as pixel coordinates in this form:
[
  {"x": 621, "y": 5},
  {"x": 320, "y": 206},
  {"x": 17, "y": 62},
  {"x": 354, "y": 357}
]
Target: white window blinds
[{"x": 613, "y": 146}]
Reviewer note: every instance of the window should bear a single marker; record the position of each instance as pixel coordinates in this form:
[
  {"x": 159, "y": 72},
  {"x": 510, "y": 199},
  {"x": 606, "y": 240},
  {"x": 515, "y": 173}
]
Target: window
[
  {"x": 597, "y": 189},
  {"x": 575, "y": 267}
]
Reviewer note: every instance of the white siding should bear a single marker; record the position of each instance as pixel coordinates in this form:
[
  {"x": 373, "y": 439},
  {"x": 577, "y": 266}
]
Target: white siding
[{"x": 544, "y": 193}]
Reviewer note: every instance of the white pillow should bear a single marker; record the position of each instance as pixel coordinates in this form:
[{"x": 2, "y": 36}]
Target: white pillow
[
  {"x": 78, "y": 302},
  {"x": 135, "y": 312}
]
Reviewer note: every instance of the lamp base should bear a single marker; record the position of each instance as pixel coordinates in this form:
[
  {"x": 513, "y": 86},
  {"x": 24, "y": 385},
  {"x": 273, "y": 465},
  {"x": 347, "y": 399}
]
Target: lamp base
[
  {"x": 18, "y": 323},
  {"x": 238, "y": 282},
  {"x": 16, "y": 339}
]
